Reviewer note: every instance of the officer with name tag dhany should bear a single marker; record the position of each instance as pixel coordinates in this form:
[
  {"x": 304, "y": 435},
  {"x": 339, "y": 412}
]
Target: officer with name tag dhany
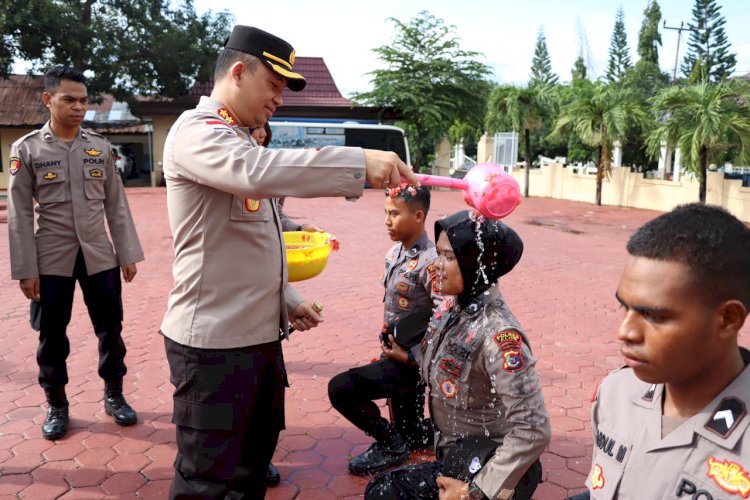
[
  {"x": 673, "y": 423},
  {"x": 69, "y": 172}
]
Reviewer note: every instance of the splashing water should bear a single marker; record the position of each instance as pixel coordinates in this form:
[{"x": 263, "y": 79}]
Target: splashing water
[{"x": 479, "y": 220}]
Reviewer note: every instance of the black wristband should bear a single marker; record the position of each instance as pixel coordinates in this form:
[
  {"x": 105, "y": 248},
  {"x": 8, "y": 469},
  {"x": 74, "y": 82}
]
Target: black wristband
[{"x": 299, "y": 228}]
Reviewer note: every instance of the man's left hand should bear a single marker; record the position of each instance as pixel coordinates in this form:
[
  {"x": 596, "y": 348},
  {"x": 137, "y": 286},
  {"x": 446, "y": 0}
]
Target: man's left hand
[
  {"x": 452, "y": 489},
  {"x": 305, "y": 317},
  {"x": 128, "y": 272}
]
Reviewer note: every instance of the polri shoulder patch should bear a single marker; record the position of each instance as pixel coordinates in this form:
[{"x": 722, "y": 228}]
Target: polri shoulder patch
[{"x": 15, "y": 165}]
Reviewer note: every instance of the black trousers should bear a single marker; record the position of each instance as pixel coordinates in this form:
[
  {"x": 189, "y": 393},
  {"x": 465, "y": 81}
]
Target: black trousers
[
  {"x": 102, "y": 293},
  {"x": 420, "y": 481},
  {"x": 229, "y": 410},
  {"x": 352, "y": 393}
]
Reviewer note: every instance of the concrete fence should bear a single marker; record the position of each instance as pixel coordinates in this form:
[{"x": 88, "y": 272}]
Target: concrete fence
[{"x": 629, "y": 189}]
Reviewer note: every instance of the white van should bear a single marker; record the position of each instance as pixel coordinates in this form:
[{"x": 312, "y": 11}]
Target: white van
[{"x": 318, "y": 134}]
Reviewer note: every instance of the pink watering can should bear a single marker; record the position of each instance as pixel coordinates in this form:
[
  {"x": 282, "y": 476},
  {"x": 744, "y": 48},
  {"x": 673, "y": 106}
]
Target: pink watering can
[{"x": 487, "y": 187}]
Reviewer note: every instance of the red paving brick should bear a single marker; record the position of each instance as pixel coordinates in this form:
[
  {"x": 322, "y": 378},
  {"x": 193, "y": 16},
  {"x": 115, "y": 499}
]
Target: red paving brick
[{"x": 562, "y": 291}]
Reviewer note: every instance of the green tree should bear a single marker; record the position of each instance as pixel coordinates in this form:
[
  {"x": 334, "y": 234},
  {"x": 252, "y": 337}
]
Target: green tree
[
  {"x": 429, "y": 80},
  {"x": 541, "y": 66},
  {"x": 579, "y": 71},
  {"x": 649, "y": 37},
  {"x": 143, "y": 47},
  {"x": 704, "y": 121},
  {"x": 521, "y": 110},
  {"x": 708, "y": 57},
  {"x": 599, "y": 115},
  {"x": 619, "y": 58}
]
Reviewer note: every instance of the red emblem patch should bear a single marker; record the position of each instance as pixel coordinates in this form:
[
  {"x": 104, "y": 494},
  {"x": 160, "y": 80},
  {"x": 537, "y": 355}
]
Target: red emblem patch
[
  {"x": 512, "y": 360},
  {"x": 403, "y": 303},
  {"x": 597, "y": 477},
  {"x": 252, "y": 205},
  {"x": 729, "y": 476},
  {"x": 15, "y": 165},
  {"x": 402, "y": 287},
  {"x": 448, "y": 388},
  {"x": 450, "y": 366}
]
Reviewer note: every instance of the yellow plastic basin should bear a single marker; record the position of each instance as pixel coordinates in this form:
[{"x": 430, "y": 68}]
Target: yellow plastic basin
[{"x": 306, "y": 253}]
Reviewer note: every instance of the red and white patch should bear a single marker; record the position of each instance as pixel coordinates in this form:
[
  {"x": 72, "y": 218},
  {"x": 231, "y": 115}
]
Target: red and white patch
[
  {"x": 729, "y": 476},
  {"x": 15, "y": 165},
  {"x": 403, "y": 303},
  {"x": 448, "y": 388},
  {"x": 512, "y": 360},
  {"x": 507, "y": 337},
  {"x": 450, "y": 367},
  {"x": 597, "y": 477},
  {"x": 252, "y": 205}
]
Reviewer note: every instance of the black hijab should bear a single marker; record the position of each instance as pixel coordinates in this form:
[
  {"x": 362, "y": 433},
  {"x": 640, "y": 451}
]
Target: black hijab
[{"x": 502, "y": 250}]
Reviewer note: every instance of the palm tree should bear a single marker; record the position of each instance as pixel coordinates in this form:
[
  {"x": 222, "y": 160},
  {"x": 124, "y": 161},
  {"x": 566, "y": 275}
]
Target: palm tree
[
  {"x": 599, "y": 114},
  {"x": 703, "y": 120},
  {"x": 520, "y": 109}
]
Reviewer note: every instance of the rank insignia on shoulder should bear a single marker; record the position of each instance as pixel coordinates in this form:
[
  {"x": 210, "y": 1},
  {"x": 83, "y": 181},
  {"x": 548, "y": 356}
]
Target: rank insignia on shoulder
[
  {"x": 96, "y": 173},
  {"x": 92, "y": 152},
  {"x": 224, "y": 113},
  {"x": 597, "y": 477},
  {"x": 448, "y": 388},
  {"x": 729, "y": 476},
  {"x": 402, "y": 287},
  {"x": 252, "y": 205},
  {"x": 15, "y": 165},
  {"x": 728, "y": 414},
  {"x": 50, "y": 176}
]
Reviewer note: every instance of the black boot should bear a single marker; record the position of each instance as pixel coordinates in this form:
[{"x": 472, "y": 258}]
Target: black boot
[
  {"x": 273, "y": 477},
  {"x": 56, "y": 424},
  {"x": 390, "y": 450},
  {"x": 115, "y": 404}
]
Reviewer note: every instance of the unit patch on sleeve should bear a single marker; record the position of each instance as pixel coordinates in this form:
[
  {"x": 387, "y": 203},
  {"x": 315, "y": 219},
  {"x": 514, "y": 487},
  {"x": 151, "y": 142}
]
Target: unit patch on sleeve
[
  {"x": 512, "y": 360},
  {"x": 729, "y": 476},
  {"x": 15, "y": 165}
]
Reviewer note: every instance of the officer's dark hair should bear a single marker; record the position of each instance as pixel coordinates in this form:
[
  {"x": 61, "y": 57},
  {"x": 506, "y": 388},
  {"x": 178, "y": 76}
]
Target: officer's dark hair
[
  {"x": 56, "y": 74},
  {"x": 418, "y": 198},
  {"x": 227, "y": 57},
  {"x": 713, "y": 243}
]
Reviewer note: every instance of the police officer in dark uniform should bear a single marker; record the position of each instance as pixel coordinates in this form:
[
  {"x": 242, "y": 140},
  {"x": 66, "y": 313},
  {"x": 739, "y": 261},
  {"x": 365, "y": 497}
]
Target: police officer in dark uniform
[
  {"x": 408, "y": 282},
  {"x": 70, "y": 173}
]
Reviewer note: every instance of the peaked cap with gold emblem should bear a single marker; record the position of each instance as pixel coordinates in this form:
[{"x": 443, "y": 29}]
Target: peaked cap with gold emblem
[{"x": 272, "y": 50}]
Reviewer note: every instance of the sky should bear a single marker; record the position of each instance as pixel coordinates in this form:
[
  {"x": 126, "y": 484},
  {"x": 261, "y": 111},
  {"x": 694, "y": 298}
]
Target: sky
[{"x": 344, "y": 32}]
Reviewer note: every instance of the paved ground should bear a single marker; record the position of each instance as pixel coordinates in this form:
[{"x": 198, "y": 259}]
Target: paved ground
[{"x": 562, "y": 291}]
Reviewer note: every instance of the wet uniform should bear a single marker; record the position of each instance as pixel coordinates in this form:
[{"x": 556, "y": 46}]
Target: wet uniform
[
  {"x": 231, "y": 295},
  {"x": 408, "y": 281},
  {"x": 482, "y": 382},
  {"x": 75, "y": 186},
  {"x": 640, "y": 454}
]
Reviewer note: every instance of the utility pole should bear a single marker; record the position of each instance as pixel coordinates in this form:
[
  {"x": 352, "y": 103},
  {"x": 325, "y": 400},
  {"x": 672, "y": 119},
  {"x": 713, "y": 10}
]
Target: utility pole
[{"x": 677, "y": 52}]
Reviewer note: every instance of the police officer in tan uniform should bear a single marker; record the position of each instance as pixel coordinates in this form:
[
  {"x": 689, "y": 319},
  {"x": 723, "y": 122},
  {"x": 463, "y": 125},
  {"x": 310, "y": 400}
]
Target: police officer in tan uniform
[
  {"x": 70, "y": 173},
  {"x": 408, "y": 286},
  {"x": 673, "y": 422},
  {"x": 231, "y": 295},
  {"x": 478, "y": 365}
]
